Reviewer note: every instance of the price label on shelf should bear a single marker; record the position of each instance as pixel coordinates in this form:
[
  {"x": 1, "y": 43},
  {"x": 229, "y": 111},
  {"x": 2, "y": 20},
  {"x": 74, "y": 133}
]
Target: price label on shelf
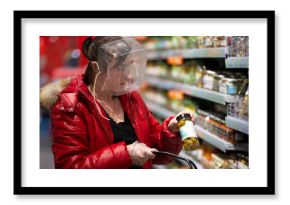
[{"x": 175, "y": 60}]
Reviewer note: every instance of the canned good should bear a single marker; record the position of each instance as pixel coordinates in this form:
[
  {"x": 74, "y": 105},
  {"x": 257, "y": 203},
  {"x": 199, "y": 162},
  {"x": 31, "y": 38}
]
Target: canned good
[{"x": 187, "y": 132}]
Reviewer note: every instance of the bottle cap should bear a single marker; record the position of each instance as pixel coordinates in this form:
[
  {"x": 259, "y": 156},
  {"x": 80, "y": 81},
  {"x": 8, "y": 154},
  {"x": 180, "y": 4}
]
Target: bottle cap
[{"x": 182, "y": 116}]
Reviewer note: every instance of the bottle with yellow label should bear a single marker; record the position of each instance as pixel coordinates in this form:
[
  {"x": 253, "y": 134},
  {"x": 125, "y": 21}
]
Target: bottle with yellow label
[{"x": 187, "y": 132}]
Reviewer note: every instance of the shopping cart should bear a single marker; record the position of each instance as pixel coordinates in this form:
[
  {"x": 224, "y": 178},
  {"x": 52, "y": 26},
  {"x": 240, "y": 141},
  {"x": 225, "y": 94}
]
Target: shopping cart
[{"x": 188, "y": 161}]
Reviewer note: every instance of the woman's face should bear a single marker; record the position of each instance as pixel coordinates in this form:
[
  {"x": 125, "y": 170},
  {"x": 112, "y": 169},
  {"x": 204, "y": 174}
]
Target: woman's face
[
  {"x": 119, "y": 80},
  {"x": 124, "y": 78}
]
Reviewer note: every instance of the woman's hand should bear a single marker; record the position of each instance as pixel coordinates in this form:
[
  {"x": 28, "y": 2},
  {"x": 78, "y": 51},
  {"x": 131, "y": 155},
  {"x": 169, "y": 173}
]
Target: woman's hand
[
  {"x": 140, "y": 153},
  {"x": 172, "y": 125}
]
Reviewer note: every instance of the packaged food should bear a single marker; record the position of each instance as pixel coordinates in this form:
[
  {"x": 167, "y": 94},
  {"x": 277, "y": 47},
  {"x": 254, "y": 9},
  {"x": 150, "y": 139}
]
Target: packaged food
[
  {"x": 175, "y": 94},
  {"x": 232, "y": 86},
  {"x": 223, "y": 85},
  {"x": 187, "y": 132},
  {"x": 176, "y": 105},
  {"x": 222, "y": 42},
  {"x": 239, "y": 108},
  {"x": 208, "y": 79},
  {"x": 189, "y": 105},
  {"x": 189, "y": 76},
  {"x": 199, "y": 75},
  {"x": 244, "y": 86},
  {"x": 229, "y": 86},
  {"x": 192, "y": 42},
  {"x": 176, "y": 70},
  {"x": 183, "y": 73},
  {"x": 238, "y": 46},
  {"x": 217, "y": 82},
  {"x": 209, "y": 42},
  {"x": 227, "y": 133},
  {"x": 201, "y": 42},
  {"x": 244, "y": 111}
]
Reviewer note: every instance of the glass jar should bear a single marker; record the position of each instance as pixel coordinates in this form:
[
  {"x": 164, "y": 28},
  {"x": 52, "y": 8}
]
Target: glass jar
[
  {"x": 201, "y": 42},
  {"x": 199, "y": 76},
  {"x": 232, "y": 86},
  {"x": 229, "y": 86},
  {"x": 244, "y": 111},
  {"x": 187, "y": 132},
  {"x": 208, "y": 79},
  {"x": 223, "y": 85},
  {"x": 217, "y": 82}
]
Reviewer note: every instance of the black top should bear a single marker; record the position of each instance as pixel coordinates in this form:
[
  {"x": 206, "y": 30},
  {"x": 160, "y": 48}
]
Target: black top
[{"x": 123, "y": 131}]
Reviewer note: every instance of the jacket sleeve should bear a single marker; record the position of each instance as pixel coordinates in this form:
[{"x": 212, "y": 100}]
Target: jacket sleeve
[
  {"x": 164, "y": 139},
  {"x": 70, "y": 145}
]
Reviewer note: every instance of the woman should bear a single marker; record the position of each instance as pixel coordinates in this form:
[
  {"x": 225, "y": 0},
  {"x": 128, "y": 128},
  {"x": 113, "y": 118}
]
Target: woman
[{"x": 99, "y": 120}]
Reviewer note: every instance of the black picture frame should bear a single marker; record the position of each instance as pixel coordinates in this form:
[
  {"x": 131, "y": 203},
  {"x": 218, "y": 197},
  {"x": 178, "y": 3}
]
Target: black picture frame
[{"x": 19, "y": 189}]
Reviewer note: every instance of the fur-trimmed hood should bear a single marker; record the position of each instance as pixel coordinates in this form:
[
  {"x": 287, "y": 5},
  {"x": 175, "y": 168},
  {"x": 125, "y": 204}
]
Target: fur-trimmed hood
[{"x": 49, "y": 93}]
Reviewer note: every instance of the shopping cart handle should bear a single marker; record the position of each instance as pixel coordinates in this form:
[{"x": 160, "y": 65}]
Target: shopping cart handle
[{"x": 188, "y": 161}]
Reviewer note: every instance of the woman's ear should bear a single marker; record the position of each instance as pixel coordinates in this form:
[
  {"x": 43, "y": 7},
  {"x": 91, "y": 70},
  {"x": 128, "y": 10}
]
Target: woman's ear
[{"x": 94, "y": 64}]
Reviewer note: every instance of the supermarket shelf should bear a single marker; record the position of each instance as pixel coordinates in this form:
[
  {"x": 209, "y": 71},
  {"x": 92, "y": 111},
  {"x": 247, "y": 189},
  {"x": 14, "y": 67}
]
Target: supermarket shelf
[
  {"x": 189, "y": 53},
  {"x": 158, "y": 109},
  {"x": 237, "y": 62},
  {"x": 237, "y": 124},
  {"x": 202, "y": 133},
  {"x": 218, "y": 142},
  {"x": 191, "y": 90}
]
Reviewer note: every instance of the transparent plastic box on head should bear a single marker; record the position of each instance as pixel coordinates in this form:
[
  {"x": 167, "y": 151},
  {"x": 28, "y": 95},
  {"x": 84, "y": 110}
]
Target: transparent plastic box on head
[
  {"x": 120, "y": 65},
  {"x": 117, "y": 65}
]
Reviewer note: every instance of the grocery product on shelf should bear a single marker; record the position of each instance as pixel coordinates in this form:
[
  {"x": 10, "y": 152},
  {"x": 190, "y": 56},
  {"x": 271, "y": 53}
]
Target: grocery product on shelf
[
  {"x": 175, "y": 99},
  {"x": 229, "y": 86},
  {"x": 192, "y": 42},
  {"x": 189, "y": 75},
  {"x": 218, "y": 127},
  {"x": 211, "y": 158},
  {"x": 208, "y": 79},
  {"x": 186, "y": 73},
  {"x": 239, "y": 108},
  {"x": 187, "y": 132},
  {"x": 176, "y": 72},
  {"x": 175, "y": 60},
  {"x": 238, "y": 46},
  {"x": 200, "y": 76},
  {"x": 178, "y": 102},
  {"x": 155, "y": 95},
  {"x": 184, "y": 42},
  {"x": 180, "y": 61},
  {"x": 159, "y": 69},
  {"x": 210, "y": 41}
]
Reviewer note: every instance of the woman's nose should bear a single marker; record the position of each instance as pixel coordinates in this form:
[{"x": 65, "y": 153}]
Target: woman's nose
[{"x": 130, "y": 78}]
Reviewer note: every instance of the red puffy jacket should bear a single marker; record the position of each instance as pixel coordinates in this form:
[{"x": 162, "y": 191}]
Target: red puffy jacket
[{"x": 83, "y": 139}]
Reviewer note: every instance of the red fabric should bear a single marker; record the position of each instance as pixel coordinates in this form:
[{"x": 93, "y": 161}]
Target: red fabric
[{"x": 83, "y": 139}]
